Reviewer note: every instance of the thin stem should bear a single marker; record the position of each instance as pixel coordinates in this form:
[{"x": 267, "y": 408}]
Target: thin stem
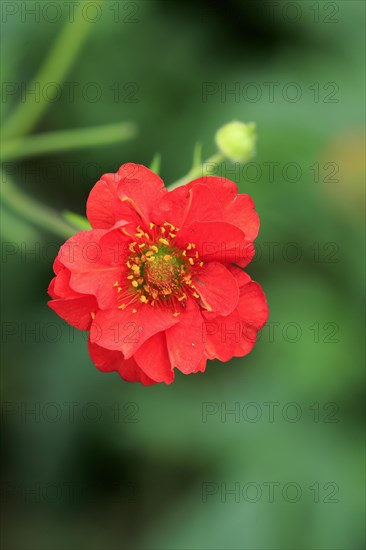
[
  {"x": 32, "y": 211},
  {"x": 197, "y": 171},
  {"x": 54, "y": 69},
  {"x": 65, "y": 140}
]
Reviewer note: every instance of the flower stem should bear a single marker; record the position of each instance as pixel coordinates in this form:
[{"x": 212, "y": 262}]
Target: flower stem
[
  {"x": 65, "y": 140},
  {"x": 54, "y": 69},
  {"x": 197, "y": 171},
  {"x": 32, "y": 211}
]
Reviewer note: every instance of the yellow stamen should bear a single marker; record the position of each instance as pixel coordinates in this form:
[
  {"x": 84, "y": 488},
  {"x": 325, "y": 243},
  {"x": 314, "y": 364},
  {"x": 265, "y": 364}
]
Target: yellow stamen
[
  {"x": 135, "y": 284},
  {"x": 92, "y": 314},
  {"x": 164, "y": 241},
  {"x": 143, "y": 299}
]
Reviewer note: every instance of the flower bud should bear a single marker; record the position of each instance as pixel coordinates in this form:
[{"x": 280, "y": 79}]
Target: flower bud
[{"x": 236, "y": 140}]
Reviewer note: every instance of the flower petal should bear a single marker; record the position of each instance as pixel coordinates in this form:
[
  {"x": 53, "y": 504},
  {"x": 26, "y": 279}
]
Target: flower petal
[
  {"x": 130, "y": 194},
  {"x": 103, "y": 208},
  {"x": 75, "y": 311},
  {"x": 89, "y": 256},
  {"x": 227, "y": 337},
  {"x": 101, "y": 283},
  {"x": 252, "y": 306},
  {"x": 82, "y": 251},
  {"x": 217, "y": 242},
  {"x": 108, "y": 361},
  {"x": 141, "y": 188},
  {"x": 238, "y": 209},
  {"x": 186, "y": 340},
  {"x": 122, "y": 330},
  {"x": 235, "y": 335},
  {"x": 242, "y": 278},
  {"x": 184, "y": 205},
  {"x": 217, "y": 288},
  {"x": 153, "y": 358}
]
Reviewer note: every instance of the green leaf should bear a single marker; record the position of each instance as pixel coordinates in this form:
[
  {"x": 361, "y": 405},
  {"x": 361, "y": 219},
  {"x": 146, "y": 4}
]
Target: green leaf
[
  {"x": 80, "y": 222},
  {"x": 155, "y": 163},
  {"x": 197, "y": 155}
]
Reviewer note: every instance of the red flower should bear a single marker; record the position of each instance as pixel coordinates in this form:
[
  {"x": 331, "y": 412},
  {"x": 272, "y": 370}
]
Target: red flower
[{"x": 154, "y": 281}]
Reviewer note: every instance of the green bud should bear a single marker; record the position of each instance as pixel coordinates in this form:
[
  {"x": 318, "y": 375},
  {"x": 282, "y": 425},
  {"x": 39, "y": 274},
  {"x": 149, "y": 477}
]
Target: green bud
[{"x": 236, "y": 140}]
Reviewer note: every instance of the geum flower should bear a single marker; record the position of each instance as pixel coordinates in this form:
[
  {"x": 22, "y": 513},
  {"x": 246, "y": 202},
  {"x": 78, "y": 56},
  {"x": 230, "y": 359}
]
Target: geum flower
[{"x": 157, "y": 280}]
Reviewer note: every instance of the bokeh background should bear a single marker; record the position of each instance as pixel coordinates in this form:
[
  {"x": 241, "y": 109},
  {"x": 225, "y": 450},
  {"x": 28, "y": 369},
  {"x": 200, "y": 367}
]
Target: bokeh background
[{"x": 91, "y": 462}]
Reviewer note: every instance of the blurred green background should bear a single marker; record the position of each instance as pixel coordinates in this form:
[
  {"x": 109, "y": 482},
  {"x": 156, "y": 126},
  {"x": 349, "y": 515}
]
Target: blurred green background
[{"x": 103, "y": 464}]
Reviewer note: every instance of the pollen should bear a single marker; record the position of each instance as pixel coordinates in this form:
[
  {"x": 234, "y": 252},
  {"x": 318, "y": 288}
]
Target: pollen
[
  {"x": 160, "y": 272},
  {"x": 164, "y": 241}
]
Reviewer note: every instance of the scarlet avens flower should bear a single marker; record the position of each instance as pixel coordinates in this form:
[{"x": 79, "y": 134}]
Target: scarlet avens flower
[{"x": 157, "y": 281}]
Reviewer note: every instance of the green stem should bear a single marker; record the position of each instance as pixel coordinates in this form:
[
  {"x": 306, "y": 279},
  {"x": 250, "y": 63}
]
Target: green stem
[
  {"x": 197, "y": 171},
  {"x": 65, "y": 140},
  {"x": 32, "y": 211},
  {"x": 54, "y": 69}
]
